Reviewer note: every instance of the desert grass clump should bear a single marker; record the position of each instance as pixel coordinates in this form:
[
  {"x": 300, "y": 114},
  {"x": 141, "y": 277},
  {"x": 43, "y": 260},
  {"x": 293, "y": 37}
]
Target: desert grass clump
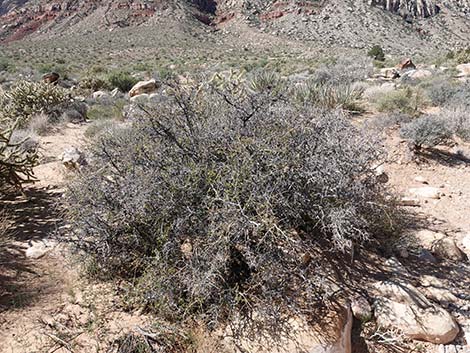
[
  {"x": 222, "y": 203},
  {"x": 323, "y": 95}
]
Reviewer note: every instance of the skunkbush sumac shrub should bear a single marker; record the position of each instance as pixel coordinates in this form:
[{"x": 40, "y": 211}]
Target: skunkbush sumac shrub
[{"x": 222, "y": 201}]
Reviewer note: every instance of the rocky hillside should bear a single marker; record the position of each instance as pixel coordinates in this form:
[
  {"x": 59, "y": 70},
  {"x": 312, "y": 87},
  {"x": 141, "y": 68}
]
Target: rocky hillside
[{"x": 436, "y": 24}]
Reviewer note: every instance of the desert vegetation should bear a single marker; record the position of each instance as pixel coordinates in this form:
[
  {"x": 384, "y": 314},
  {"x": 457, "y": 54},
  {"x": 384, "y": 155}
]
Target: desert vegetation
[{"x": 240, "y": 193}]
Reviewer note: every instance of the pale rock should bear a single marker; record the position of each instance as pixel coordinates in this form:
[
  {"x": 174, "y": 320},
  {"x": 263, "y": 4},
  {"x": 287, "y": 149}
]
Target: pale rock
[
  {"x": 100, "y": 95},
  {"x": 408, "y": 201},
  {"x": 418, "y": 74},
  {"x": 361, "y": 308},
  {"x": 142, "y": 87},
  {"x": 38, "y": 249},
  {"x": 463, "y": 69},
  {"x": 401, "y": 306},
  {"x": 427, "y": 192},
  {"x": 427, "y": 238},
  {"x": 141, "y": 98},
  {"x": 72, "y": 158},
  {"x": 420, "y": 179},
  {"x": 446, "y": 248}
]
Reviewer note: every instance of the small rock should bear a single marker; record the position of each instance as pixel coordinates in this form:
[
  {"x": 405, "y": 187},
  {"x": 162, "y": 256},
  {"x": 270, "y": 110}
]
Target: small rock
[
  {"x": 38, "y": 249},
  {"x": 99, "y": 95},
  {"x": 426, "y": 192},
  {"x": 420, "y": 179},
  {"x": 408, "y": 201},
  {"x": 426, "y": 256},
  {"x": 73, "y": 159},
  {"x": 446, "y": 248},
  {"x": 361, "y": 308}
]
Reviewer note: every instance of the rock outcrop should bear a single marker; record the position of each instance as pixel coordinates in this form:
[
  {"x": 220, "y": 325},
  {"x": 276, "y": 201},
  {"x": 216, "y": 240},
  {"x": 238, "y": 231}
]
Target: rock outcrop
[
  {"x": 408, "y": 8},
  {"x": 403, "y": 307}
]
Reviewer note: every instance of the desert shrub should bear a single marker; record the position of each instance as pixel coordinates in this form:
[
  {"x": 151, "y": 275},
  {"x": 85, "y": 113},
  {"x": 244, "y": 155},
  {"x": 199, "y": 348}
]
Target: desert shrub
[
  {"x": 426, "y": 131},
  {"x": 122, "y": 80},
  {"x": 344, "y": 70},
  {"x": 407, "y": 101},
  {"x": 94, "y": 83},
  {"x": 98, "y": 127},
  {"x": 462, "y": 56},
  {"x": 440, "y": 90},
  {"x": 221, "y": 201},
  {"x": 26, "y": 99},
  {"x": 16, "y": 161},
  {"x": 103, "y": 111},
  {"x": 39, "y": 124},
  {"x": 377, "y": 53},
  {"x": 461, "y": 97},
  {"x": 457, "y": 120}
]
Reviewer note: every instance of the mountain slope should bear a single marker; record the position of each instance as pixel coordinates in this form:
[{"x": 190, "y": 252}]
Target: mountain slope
[{"x": 395, "y": 24}]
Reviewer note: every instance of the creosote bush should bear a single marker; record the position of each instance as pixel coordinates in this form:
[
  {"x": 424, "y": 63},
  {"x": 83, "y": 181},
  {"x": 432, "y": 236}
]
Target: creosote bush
[
  {"x": 221, "y": 202},
  {"x": 426, "y": 131}
]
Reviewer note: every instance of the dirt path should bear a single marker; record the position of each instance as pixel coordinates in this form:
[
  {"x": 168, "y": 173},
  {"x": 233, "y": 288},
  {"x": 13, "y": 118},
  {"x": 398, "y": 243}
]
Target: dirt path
[{"x": 45, "y": 306}]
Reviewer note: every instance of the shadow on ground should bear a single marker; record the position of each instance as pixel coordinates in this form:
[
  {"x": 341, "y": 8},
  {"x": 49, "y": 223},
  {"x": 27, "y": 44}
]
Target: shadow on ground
[{"x": 33, "y": 218}]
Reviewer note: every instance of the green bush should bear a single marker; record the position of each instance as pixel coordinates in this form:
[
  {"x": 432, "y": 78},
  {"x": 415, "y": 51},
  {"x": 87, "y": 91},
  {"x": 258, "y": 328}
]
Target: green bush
[
  {"x": 26, "y": 99},
  {"x": 220, "y": 201},
  {"x": 94, "y": 83},
  {"x": 122, "y": 80},
  {"x": 407, "y": 101},
  {"x": 377, "y": 53}
]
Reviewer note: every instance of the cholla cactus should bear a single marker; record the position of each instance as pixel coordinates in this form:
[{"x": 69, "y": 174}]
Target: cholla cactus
[
  {"x": 26, "y": 99},
  {"x": 16, "y": 164}
]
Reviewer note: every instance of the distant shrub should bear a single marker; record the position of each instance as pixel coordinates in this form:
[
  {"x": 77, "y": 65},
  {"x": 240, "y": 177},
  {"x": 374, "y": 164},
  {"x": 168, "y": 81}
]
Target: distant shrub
[
  {"x": 122, "y": 80},
  {"x": 462, "y": 56},
  {"x": 377, "y": 53},
  {"x": 5, "y": 65},
  {"x": 461, "y": 98},
  {"x": 440, "y": 90},
  {"x": 457, "y": 120},
  {"x": 407, "y": 101},
  {"x": 94, "y": 83},
  {"x": 344, "y": 70},
  {"x": 26, "y": 99},
  {"x": 426, "y": 131},
  {"x": 221, "y": 200}
]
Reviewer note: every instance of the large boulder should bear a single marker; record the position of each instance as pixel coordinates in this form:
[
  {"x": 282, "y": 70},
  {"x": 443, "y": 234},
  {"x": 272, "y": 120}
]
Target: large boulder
[
  {"x": 401, "y": 306},
  {"x": 143, "y": 87},
  {"x": 406, "y": 64},
  {"x": 52, "y": 77}
]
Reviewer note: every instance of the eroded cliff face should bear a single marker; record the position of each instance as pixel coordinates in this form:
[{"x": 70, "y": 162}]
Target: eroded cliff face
[{"x": 408, "y": 8}]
